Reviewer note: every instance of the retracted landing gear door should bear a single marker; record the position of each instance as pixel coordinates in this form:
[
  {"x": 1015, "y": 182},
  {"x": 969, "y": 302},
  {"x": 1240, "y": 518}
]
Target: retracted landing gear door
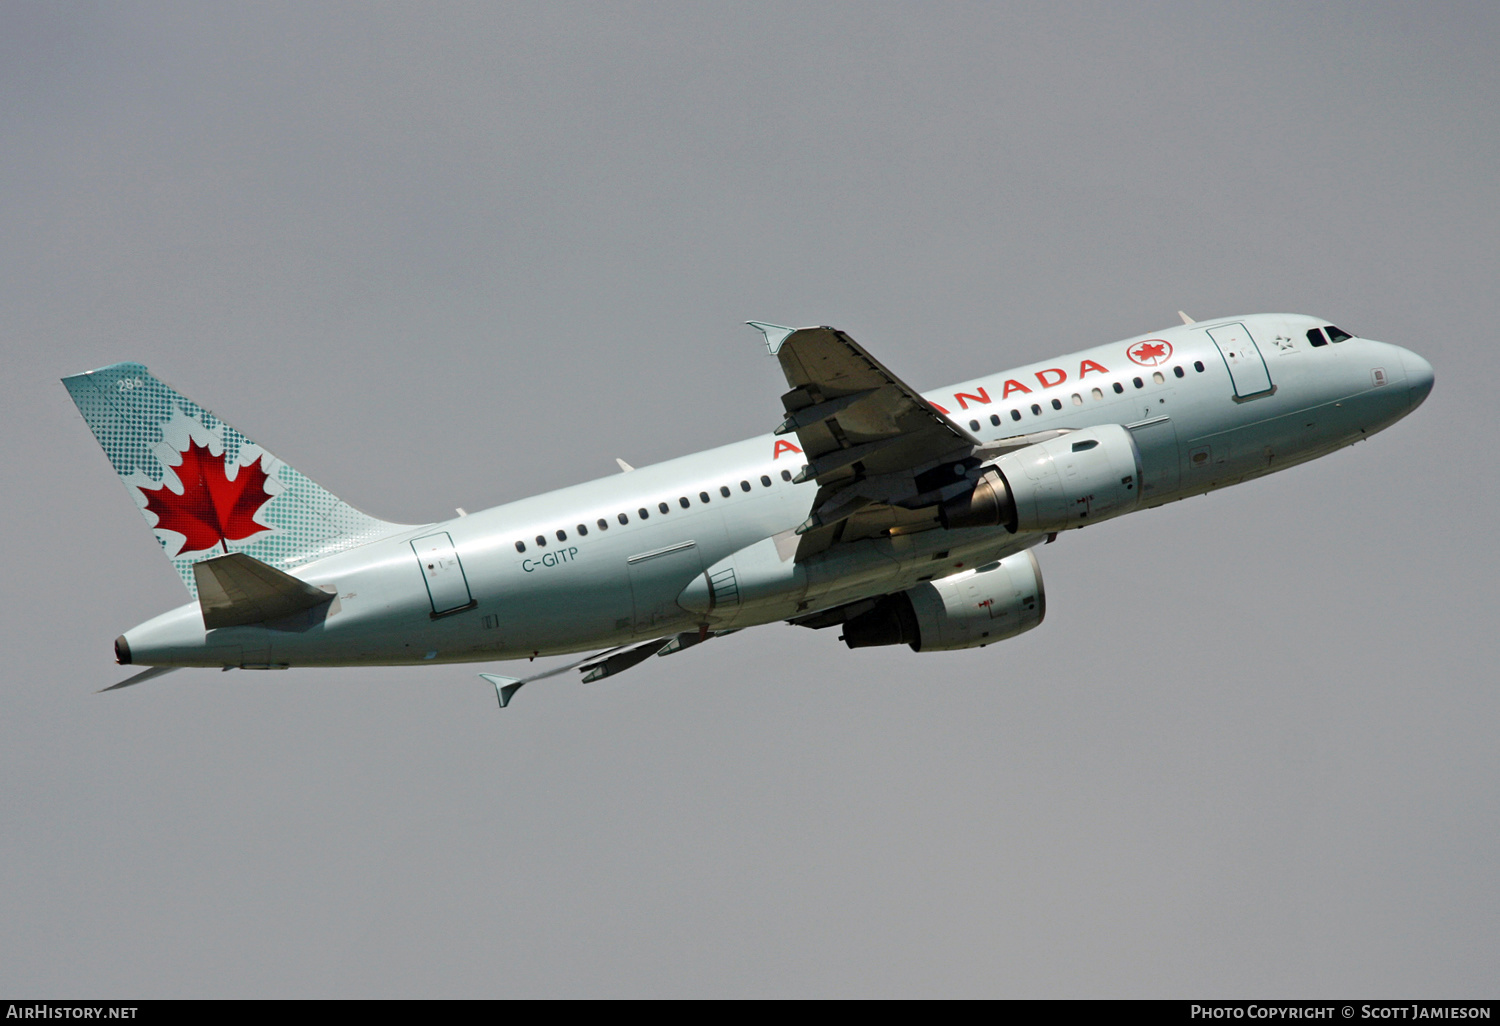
[{"x": 444, "y": 574}]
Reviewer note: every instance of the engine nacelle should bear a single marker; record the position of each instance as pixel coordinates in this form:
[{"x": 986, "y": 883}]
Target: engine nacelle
[
  {"x": 967, "y": 610},
  {"x": 1079, "y": 478}
]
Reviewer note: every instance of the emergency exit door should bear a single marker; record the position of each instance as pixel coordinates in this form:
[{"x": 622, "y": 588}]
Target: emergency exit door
[
  {"x": 1247, "y": 368},
  {"x": 444, "y": 574}
]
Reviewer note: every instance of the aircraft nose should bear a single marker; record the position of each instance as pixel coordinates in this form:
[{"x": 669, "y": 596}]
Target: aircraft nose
[{"x": 1418, "y": 376}]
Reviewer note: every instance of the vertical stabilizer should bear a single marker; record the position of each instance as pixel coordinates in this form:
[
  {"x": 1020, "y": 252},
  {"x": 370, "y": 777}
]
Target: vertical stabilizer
[{"x": 205, "y": 489}]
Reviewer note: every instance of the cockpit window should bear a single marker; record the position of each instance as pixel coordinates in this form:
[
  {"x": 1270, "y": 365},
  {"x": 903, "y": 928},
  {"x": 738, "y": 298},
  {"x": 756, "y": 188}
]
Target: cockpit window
[
  {"x": 1337, "y": 334},
  {"x": 1315, "y": 336}
]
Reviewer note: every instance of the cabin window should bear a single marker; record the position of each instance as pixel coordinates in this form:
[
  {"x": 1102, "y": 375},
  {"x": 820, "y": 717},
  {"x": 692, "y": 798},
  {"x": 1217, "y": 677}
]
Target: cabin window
[
  {"x": 1036, "y": 411},
  {"x": 1158, "y": 377},
  {"x": 665, "y": 509},
  {"x": 562, "y": 535},
  {"x": 1077, "y": 399},
  {"x": 682, "y": 500},
  {"x": 1118, "y": 388},
  {"x": 1177, "y": 371},
  {"x": 994, "y": 420},
  {"x": 744, "y": 486},
  {"x": 643, "y": 513},
  {"x": 724, "y": 491},
  {"x": 1057, "y": 404},
  {"x": 520, "y": 546},
  {"x": 1097, "y": 393},
  {"x": 1137, "y": 382},
  {"x": 973, "y": 425},
  {"x": 582, "y": 531},
  {"x": 1336, "y": 334},
  {"x": 603, "y": 524},
  {"x": 1015, "y": 414},
  {"x": 541, "y": 541},
  {"x": 702, "y": 496},
  {"x": 1198, "y": 366},
  {"x": 786, "y": 475},
  {"x": 765, "y": 481},
  {"x": 622, "y": 518}
]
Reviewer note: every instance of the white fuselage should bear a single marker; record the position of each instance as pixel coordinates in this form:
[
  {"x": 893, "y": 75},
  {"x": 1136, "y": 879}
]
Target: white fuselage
[{"x": 579, "y": 586}]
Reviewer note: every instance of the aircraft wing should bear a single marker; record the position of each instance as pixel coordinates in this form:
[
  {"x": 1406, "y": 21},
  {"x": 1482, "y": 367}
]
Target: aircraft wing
[
  {"x": 594, "y": 667},
  {"x": 869, "y": 439}
]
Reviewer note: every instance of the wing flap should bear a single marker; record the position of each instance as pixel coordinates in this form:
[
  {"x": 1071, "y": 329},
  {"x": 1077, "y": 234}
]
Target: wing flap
[
  {"x": 865, "y": 434},
  {"x": 842, "y": 399}
]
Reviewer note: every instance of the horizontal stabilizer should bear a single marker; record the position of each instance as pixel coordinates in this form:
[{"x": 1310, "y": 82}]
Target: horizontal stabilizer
[
  {"x": 237, "y": 589},
  {"x": 144, "y": 675}
]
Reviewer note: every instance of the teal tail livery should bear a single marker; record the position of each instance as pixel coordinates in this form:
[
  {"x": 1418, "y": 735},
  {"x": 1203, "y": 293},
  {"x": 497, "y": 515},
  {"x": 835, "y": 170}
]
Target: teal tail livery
[{"x": 205, "y": 489}]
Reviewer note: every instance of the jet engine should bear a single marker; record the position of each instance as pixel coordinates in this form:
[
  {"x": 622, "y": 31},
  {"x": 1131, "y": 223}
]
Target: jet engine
[
  {"x": 1079, "y": 478},
  {"x": 967, "y": 610}
]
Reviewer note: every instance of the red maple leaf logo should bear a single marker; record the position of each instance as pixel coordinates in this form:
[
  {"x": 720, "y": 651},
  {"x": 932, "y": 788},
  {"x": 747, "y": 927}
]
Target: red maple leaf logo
[
  {"x": 1151, "y": 354},
  {"x": 212, "y": 510}
]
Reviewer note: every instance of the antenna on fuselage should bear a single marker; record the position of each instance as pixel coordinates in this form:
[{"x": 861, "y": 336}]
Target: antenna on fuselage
[
  {"x": 1185, "y": 318},
  {"x": 625, "y": 468}
]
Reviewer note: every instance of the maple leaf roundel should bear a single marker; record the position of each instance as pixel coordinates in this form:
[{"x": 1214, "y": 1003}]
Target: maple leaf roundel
[
  {"x": 212, "y": 509},
  {"x": 1151, "y": 353}
]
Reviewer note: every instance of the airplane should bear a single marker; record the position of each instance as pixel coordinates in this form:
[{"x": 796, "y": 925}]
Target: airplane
[{"x": 899, "y": 517}]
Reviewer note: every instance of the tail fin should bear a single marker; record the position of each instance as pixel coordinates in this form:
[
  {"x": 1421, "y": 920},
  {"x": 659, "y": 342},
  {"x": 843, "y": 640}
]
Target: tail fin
[{"x": 204, "y": 488}]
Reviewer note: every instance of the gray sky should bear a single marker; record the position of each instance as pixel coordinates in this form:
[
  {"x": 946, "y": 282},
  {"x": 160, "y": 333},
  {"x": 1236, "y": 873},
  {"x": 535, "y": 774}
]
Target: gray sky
[{"x": 455, "y": 255}]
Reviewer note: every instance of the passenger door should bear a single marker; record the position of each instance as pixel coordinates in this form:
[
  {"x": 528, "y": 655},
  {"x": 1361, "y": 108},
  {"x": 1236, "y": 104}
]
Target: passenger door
[
  {"x": 446, "y": 584},
  {"x": 1247, "y": 368}
]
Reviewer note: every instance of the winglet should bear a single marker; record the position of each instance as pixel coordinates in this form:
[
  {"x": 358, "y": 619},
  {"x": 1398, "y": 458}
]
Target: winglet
[
  {"x": 775, "y": 334},
  {"x": 1185, "y": 318},
  {"x": 505, "y": 687}
]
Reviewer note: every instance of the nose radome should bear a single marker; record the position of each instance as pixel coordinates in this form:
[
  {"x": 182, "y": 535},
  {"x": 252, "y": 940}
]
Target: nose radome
[{"x": 1418, "y": 376}]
